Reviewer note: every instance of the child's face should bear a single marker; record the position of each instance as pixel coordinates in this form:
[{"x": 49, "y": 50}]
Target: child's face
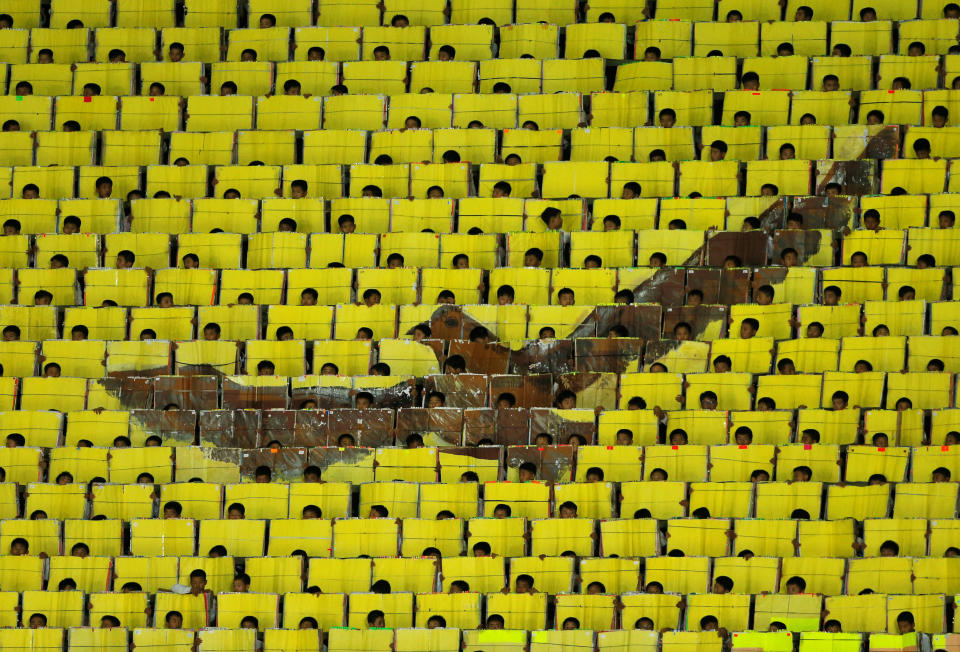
[
  {"x": 363, "y": 403},
  {"x": 525, "y": 476}
]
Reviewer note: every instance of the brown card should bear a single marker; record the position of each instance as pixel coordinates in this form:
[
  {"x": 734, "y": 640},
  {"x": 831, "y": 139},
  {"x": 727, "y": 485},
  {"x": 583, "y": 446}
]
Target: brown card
[
  {"x": 230, "y": 428},
  {"x": 285, "y": 464},
  {"x": 172, "y": 426},
  {"x": 370, "y": 428},
  {"x": 554, "y": 424},
  {"x": 748, "y": 247},
  {"x": 705, "y": 280},
  {"x": 699, "y": 318},
  {"x": 855, "y": 177},
  {"x": 133, "y": 393},
  {"x": 640, "y": 320},
  {"x": 554, "y": 463},
  {"x": 825, "y": 212},
  {"x": 774, "y": 215},
  {"x": 437, "y": 426},
  {"x": 506, "y": 426},
  {"x": 665, "y": 288},
  {"x": 734, "y": 285},
  {"x": 593, "y": 389},
  {"x": 459, "y": 390},
  {"x": 187, "y": 392},
  {"x": 543, "y": 357},
  {"x": 294, "y": 428},
  {"x": 806, "y": 243},
  {"x": 491, "y": 358},
  {"x": 251, "y": 397},
  {"x": 396, "y": 396},
  {"x": 323, "y": 458},
  {"x": 616, "y": 355},
  {"x": 535, "y": 390},
  {"x": 166, "y": 368}
]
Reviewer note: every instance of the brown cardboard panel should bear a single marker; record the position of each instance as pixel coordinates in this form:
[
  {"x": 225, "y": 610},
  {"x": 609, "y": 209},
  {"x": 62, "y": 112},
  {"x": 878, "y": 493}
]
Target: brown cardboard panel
[
  {"x": 402, "y": 394},
  {"x": 705, "y": 280},
  {"x": 187, "y": 392},
  {"x": 855, "y": 177},
  {"x": 554, "y": 463},
  {"x": 556, "y": 424},
  {"x": 339, "y": 463},
  {"x": 735, "y": 285},
  {"x": 748, "y": 247},
  {"x": 133, "y": 393},
  {"x": 250, "y": 397},
  {"x": 482, "y": 358},
  {"x": 640, "y": 320},
  {"x": 616, "y": 355},
  {"x": 504, "y": 427},
  {"x": 230, "y": 428},
  {"x": 665, "y": 287},
  {"x": 437, "y": 426},
  {"x": 593, "y": 389},
  {"x": 460, "y": 390},
  {"x": 773, "y": 216},
  {"x": 699, "y": 317},
  {"x": 176, "y": 427},
  {"x": 371, "y": 428},
  {"x": 534, "y": 390},
  {"x": 827, "y": 212},
  {"x": 294, "y": 428},
  {"x": 543, "y": 357},
  {"x": 807, "y": 243},
  {"x": 285, "y": 464}
]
